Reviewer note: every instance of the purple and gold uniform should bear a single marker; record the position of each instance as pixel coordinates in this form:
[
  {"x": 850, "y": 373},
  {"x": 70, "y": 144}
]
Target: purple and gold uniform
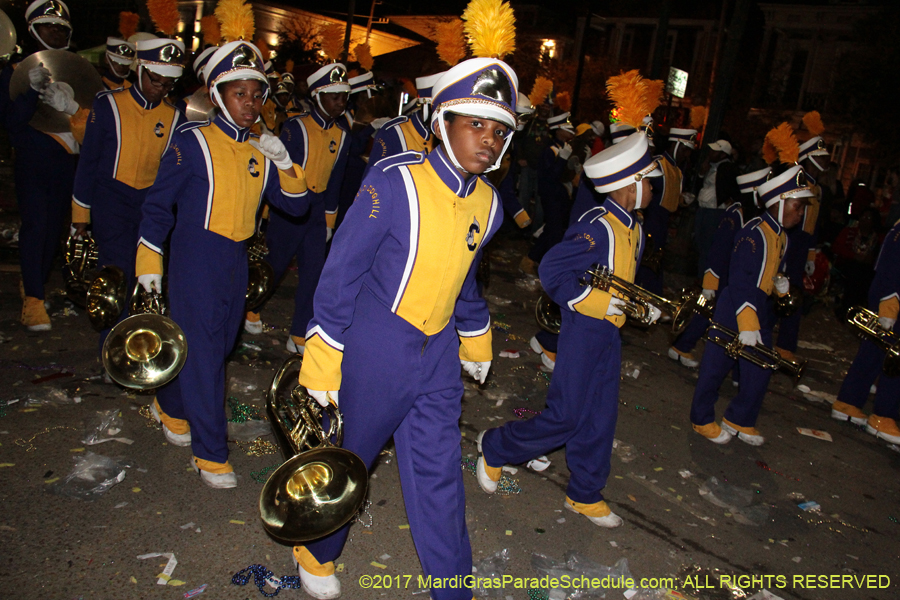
[
  {"x": 402, "y": 134},
  {"x": 125, "y": 138},
  {"x": 208, "y": 191},
  {"x": 666, "y": 199},
  {"x": 320, "y": 147}
]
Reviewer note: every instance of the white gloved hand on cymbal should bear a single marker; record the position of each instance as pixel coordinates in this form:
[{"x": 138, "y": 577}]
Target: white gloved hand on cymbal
[
  {"x": 708, "y": 294},
  {"x": 61, "y": 97},
  {"x": 810, "y": 267},
  {"x": 750, "y": 338},
  {"x": 478, "y": 370},
  {"x": 148, "y": 282},
  {"x": 324, "y": 398},
  {"x": 273, "y": 149},
  {"x": 887, "y": 323},
  {"x": 565, "y": 152},
  {"x": 782, "y": 284},
  {"x": 615, "y": 307},
  {"x": 38, "y": 77}
]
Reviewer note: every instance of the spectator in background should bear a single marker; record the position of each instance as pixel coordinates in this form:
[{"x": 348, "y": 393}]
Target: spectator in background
[{"x": 855, "y": 251}]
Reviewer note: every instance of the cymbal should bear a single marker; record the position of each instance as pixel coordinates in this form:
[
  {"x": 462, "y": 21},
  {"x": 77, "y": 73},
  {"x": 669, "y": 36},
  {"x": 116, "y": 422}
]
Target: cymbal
[
  {"x": 7, "y": 34},
  {"x": 65, "y": 67},
  {"x": 199, "y": 106}
]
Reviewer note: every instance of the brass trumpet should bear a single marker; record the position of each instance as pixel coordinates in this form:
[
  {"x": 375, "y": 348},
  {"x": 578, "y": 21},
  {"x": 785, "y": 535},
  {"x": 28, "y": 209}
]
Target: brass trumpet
[
  {"x": 638, "y": 300},
  {"x": 867, "y": 323},
  {"x": 105, "y": 299},
  {"x": 788, "y": 304},
  {"x": 148, "y": 349},
  {"x": 81, "y": 260},
  {"x": 321, "y": 486},
  {"x": 547, "y": 313},
  {"x": 760, "y": 355},
  {"x": 260, "y": 276}
]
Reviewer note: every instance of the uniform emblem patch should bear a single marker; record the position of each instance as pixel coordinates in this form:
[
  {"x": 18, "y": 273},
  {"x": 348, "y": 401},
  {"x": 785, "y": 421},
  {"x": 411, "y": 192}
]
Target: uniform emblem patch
[
  {"x": 331, "y": 146},
  {"x": 470, "y": 236},
  {"x": 158, "y": 130},
  {"x": 252, "y": 166}
]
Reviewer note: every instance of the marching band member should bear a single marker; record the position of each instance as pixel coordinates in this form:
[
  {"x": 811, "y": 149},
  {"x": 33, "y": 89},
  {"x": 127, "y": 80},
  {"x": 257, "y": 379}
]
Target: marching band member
[
  {"x": 715, "y": 276},
  {"x": 43, "y": 200},
  {"x": 214, "y": 178},
  {"x": 407, "y": 133},
  {"x": 119, "y": 57},
  {"x": 583, "y": 398},
  {"x": 884, "y": 299},
  {"x": 319, "y": 146},
  {"x": 127, "y": 133},
  {"x": 401, "y": 275},
  {"x": 746, "y": 305}
]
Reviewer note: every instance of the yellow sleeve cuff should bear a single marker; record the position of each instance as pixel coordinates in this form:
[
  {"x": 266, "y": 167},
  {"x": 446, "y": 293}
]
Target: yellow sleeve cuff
[
  {"x": 522, "y": 219},
  {"x": 476, "y": 349},
  {"x": 747, "y": 320},
  {"x": 321, "y": 368},
  {"x": 889, "y": 308},
  {"x": 148, "y": 262},
  {"x": 594, "y": 304},
  {"x": 330, "y": 219},
  {"x": 78, "y": 124},
  {"x": 710, "y": 281},
  {"x": 80, "y": 214},
  {"x": 293, "y": 185}
]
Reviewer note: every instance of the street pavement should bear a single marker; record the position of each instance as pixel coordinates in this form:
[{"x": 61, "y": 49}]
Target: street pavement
[{"x": 694, "y": 512}]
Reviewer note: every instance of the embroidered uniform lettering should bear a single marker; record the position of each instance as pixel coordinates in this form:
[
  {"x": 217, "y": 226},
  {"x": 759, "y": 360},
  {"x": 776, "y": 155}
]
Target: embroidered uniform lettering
[
  {"x": 252, "y": 166},
  {"x": 174, "y": 148},
  {"x": 331, "y": 146},
  {"x": 588, "y": 239},
  {"x": 376, "y": 203},
  {"x": 158, "y": 130},
  {"x": 470, "y": 236}
]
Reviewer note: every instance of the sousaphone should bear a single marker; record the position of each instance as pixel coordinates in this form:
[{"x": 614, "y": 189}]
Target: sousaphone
[{"x": 65, "y": 67}]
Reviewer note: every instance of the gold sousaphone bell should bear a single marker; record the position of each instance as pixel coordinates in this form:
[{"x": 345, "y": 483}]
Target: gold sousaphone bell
[
  {"x": 321, "y": 486},
  {"x": 148, "y": 349}
]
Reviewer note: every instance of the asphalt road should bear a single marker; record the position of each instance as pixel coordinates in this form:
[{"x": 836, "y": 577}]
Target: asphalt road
[{"x": 693, "y": 511}]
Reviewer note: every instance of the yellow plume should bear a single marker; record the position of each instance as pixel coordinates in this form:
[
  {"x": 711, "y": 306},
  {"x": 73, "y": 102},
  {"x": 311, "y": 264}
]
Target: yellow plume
[
  {"x": 782, "y": 137},
  {"x": 212, "y": 33},
  {"x": 564, "y": 101},
  {"x": 165, "y": 15},
  {"x": 698, "y": 117},
  {"x": 128, "y": 24},
  {"x": 236, "y": 19},
  {"x": 769, "y": 152},
  {"x": 628, "y": 91},
  {"x": 332, "y": 38},
  {"x": 451, "y": 41},
  {"x": 289, "y": 67},
  {"x": 263, "y": 48},
  {"x": 364, "y": 56},
  {"x": 490, "y": 27},
  {"x": 540, "y": 91},
  {"x": 813, "y": 122}
]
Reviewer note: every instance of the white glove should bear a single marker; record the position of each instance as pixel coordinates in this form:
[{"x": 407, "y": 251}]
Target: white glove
[
  {"x": 750, "y": 338},
  {"x": 478, "y": 370},
  {"x": 614, "y": 307},
  {"x": 323, "y": 398},
  {"x": 151, "y": 281},
  {"x": 379, "y": 122},
  {"x": 708, "y": 294},
  {"x": 329, "y": 232},
  {"x": 655, "y": 314},
  {"x": 274, "y": 150},
  {"x": 782, "y": 284},
  {"x": 38, "y": 77},
  {"x": 565, "y": 152},
  {"x": 810, "y": 268},
  {"x": 59, "y": 96},
  {"x": 887, "y": 323},
  {"x": 688, "y": 198}
]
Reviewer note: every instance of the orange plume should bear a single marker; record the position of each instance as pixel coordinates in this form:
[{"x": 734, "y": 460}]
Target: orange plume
[
  {"x": 698, "y": 117},
  {"x": 540, "y": 91},
  {"x": 451, "y": 41},
  {"x": 490, "y": 27},
  {"x": 564, "y": 101},
  {"x": 364, "y": 56},
  {"x": 165, "y": 15},
  {"x": 212, "y": 33},
  {"x": 769, "y": 152},
  {"x": 782, "y": 137},
  {"x": 128, "y": 24},
  {"x": 263, "y": 48},
  {"x": 653, "y": 93},
  {"x": 813, "y": 122},
  {"x": 332, "y": 38},
  {"x": 628, "y": 93}
]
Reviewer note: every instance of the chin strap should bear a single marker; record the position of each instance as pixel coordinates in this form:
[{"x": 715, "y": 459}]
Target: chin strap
[
  {"x": 812, "y": 159},
  {"x": 640, "y": 195},
  {"x": 217, "y": 100},
  {"x": 41, "y": 41}
]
